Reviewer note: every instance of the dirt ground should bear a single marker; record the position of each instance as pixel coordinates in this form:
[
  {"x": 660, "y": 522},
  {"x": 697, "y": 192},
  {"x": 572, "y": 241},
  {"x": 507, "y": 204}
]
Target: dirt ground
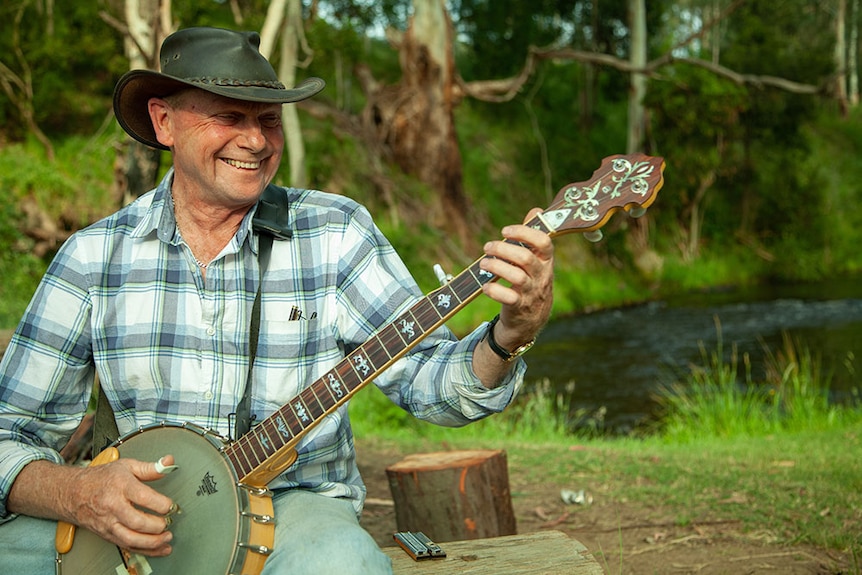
[{"x": 648, "y": 539}]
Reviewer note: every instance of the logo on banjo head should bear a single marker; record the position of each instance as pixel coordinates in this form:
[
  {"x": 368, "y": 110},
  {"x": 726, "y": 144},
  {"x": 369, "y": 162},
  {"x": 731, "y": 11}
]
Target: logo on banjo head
[{"x": 207, "y": 486}]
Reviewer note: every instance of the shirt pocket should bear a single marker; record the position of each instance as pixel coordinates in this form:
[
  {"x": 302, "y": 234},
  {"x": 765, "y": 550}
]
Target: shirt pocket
[{"x": 291, "y": 356}]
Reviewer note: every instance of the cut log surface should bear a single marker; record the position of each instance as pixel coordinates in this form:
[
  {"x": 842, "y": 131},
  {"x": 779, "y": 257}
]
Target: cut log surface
[
  {"x": 453, "y": 495},
  {"x": 541, "y": 552}
]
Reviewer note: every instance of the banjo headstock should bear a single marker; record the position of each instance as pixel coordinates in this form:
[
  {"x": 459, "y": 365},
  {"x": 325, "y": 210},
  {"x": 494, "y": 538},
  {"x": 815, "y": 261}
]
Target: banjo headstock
[{"x": 622, "y": 182}]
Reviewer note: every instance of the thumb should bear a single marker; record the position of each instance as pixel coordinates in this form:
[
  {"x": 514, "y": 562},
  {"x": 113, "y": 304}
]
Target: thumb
[{"x": 156, "y": 470}]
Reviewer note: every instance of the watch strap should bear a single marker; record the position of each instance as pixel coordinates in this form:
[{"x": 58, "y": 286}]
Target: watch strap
[{"x": 504, "y": 354}]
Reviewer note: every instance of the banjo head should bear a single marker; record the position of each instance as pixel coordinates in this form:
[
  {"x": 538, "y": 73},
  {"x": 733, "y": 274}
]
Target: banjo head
[{"x": 212, "y": 527}]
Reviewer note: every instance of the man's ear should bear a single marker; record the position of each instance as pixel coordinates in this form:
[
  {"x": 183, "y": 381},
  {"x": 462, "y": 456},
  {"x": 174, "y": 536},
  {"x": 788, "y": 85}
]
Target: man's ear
[{"x": 160, "y": 116}]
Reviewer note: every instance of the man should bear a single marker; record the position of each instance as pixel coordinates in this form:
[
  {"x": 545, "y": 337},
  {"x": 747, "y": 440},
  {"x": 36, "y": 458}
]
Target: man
[{"x": 156, "y": 300}]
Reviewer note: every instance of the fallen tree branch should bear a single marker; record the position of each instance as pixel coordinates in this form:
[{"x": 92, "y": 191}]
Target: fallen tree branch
[{"x": 503, "y": 90}]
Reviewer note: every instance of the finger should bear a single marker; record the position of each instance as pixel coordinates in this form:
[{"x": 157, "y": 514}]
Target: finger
[
  {"x": 138, "y": 519},
  {"x": 536, "y": 241},
  {"x": 514, "y": 253},
  {"x": 532, "y": 214},
  {"x": 501, "y": 294},
  {"x": 145, "y": 496},
  {"x": 510, "y": 265},
  {"x": 157, "y": 545}
]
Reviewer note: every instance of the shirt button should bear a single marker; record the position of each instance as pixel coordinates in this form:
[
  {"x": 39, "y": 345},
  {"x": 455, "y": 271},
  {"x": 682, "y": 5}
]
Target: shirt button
[
  {"x": 208, "y": 395},
  {"x": 210, "y": 331}
]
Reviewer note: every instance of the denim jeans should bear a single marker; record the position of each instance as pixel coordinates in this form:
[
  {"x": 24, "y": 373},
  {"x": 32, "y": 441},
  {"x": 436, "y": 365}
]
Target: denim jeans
[{"x": 315, "y": 535}]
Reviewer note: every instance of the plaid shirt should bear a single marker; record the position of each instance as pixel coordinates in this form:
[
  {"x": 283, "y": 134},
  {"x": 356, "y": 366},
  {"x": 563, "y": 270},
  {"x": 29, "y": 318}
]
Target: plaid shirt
[{"x": 124, "y": 298}]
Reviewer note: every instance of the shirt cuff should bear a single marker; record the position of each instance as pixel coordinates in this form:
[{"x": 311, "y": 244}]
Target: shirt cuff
[{"x": 478, "y": 400}]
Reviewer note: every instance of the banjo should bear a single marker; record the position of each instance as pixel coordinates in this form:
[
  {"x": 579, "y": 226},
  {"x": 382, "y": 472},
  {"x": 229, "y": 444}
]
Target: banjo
[{"x": 223, "y": 510}]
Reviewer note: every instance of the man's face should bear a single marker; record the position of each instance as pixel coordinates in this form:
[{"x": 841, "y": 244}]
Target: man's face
[{"x": 225, "y": 151}]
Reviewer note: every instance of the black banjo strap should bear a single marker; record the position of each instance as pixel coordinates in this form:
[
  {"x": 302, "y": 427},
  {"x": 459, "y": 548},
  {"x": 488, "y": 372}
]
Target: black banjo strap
[
  {"x": 243, "y": 408},
  {"x": 271, "y": 221}
]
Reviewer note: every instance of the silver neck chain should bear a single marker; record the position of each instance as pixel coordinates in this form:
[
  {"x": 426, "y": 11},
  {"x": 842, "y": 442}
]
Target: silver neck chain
[{"x": 199, "y": 263}]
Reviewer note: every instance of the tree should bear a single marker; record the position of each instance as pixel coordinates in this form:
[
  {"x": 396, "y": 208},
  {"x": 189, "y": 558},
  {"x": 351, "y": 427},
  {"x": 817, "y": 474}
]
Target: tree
[
  {"x": 145, "y": 25},
  {"x": 841, "y": 78},
  {"x": 412, "y": 121},
  {"x": 638, "y": 58},
  {"x": 284, "y": 17},
  {"x": 852, "y": 55},
  {"x": 18, "y": 86},
  {"x": 419, "y": 120}
]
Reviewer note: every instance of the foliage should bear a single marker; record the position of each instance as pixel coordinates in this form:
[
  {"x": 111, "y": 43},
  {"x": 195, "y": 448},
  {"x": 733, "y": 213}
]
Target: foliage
[
  {"x": 783, "y": 202},
  {"x": 72, "y": 190},
  {"x": 725, "y": 265},
  {"x": 696, "y": 117},
  {"x": 73, "y": 59},
  {"x": 714, "y": 403},
  {"x": 499, "y": 33},
  {"x": 23, "y": 270},
  {"x": 838, "y": 168},
  {"x": 538, "y": 415}
]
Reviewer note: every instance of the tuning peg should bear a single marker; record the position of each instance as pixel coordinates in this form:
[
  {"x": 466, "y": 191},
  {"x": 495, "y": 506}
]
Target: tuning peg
[
  {"x": 594, "y": 236},
  {"x": 637, "y": 212},
  {"x": 441, "y": 275}
]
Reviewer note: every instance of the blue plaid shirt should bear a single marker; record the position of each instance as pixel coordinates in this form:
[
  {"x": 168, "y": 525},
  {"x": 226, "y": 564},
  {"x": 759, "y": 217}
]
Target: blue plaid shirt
[{"x": 125, "y": 300}]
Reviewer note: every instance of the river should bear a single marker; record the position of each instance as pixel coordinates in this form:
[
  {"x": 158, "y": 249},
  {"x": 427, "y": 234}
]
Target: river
[{"x": 611, "y": 363}]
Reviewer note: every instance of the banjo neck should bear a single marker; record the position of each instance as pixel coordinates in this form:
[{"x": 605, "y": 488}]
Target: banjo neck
[
  {"x": 623, "y": 182},
  {"x": 269, "y": 447}
]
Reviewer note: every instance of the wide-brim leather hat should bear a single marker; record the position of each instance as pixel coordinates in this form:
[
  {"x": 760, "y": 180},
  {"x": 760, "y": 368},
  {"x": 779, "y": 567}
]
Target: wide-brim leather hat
[{"x": 224, "y": 62}]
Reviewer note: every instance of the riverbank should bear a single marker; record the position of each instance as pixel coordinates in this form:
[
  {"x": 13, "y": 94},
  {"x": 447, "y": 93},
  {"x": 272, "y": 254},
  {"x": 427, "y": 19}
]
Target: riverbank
[
  {"x": 789, "y": 504},
  {"x": 734, "y": 478}
]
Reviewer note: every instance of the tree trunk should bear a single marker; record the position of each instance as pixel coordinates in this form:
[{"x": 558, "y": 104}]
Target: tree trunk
[
  {"x": 285, "y": 16},
  {"x": 292, "y": 41},
  {"x": 137, "y": 170},
  {"x": 841, "y": 57},
  {"x": 147, "y": 24},
  {"x": 637, "y": 238},
  {"x": 414, "y": 120},
  {"x": 637, "y": 14},
  {"x": 275, "y": 13},
  {"x": 852, "y": 59}
]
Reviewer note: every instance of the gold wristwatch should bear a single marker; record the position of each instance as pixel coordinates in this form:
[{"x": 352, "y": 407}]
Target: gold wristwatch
[{"x": 504, "y": 354}]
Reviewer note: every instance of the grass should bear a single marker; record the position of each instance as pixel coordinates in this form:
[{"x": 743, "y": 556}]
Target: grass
[
  {"x": 73, "y": 191},
  {"x": 794, "y": 397},
  {"x": 783, "y": 489},
  {"x": 774, "y": 456}
]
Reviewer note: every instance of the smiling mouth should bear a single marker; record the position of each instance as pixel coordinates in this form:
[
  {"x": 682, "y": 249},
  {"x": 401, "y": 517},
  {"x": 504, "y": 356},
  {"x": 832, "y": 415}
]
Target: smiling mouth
[{"x": 241, "y": 165}]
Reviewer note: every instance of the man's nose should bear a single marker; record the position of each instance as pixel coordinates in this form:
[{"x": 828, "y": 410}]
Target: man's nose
[{"x": 253, "y": 136}]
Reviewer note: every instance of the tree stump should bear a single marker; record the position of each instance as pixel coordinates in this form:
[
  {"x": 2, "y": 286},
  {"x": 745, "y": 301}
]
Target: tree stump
[{"x": 453, "y": 495}]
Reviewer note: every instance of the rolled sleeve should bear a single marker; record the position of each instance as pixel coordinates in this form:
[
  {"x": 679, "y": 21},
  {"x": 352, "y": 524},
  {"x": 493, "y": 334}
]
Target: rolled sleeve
[
  {"x": 478, "y": 401},
  {"x": 436, "y": 383},
  {"x": 14, "y": 456}
]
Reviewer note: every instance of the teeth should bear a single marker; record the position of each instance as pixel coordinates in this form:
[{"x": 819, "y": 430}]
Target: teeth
[{"x": 244, "y": 165}]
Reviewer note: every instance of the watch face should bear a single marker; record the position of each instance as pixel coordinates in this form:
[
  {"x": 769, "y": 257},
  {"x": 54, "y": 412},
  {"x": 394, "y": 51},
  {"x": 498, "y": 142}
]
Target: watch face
[{"x": 523, "y": 349}]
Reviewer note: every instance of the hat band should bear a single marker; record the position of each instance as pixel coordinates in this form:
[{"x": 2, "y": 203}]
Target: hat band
[{"x": 238, "y": 83}]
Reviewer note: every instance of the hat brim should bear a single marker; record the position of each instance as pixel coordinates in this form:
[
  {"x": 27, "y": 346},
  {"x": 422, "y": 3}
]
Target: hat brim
[{"x": 135, "y": 88}]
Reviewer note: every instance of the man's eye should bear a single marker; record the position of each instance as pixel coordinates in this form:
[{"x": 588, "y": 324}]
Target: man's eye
[{"x": 271, "y": 121}]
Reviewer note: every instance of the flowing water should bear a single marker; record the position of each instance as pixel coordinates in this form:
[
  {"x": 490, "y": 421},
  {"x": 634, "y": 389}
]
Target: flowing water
[{"x": 611, "y": 363}]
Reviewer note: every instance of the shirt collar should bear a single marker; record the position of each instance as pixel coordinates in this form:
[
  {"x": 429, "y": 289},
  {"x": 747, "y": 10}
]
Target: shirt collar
[{"x": 160, "y": 217}]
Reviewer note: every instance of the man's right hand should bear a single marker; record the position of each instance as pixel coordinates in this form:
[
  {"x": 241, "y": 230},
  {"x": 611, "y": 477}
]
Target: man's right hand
[{"x": 111, "y": 500}]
